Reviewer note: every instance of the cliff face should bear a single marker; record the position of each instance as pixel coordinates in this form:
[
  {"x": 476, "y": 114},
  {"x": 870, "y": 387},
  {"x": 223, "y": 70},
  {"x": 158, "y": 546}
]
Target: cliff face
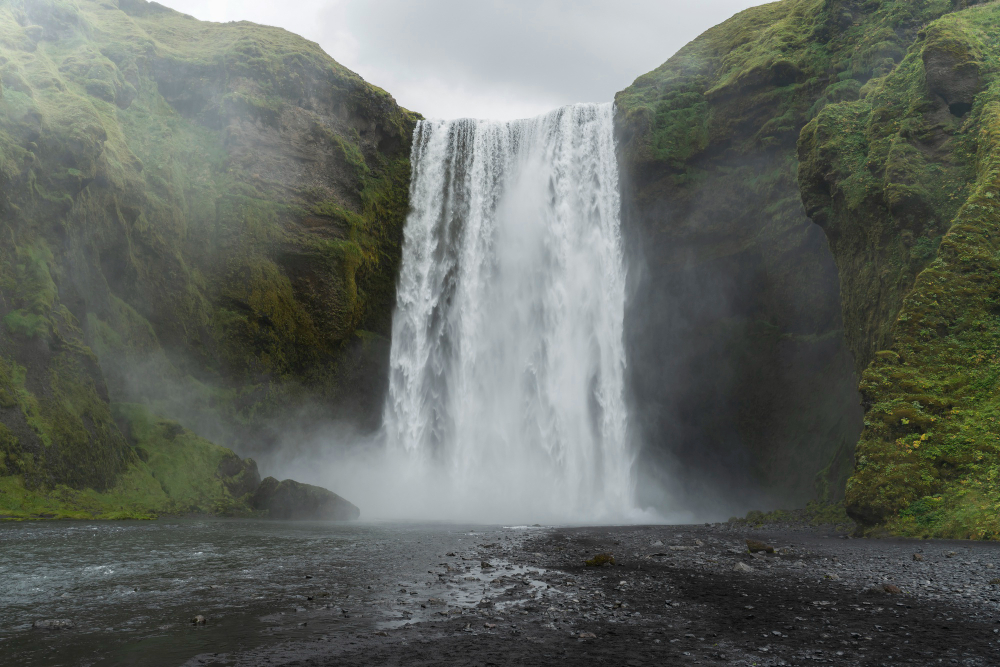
[
  {"x": 876, "y": 121},
  {"x": 202, "y": 218},
  {"x": 739, "y": 371},
  {"x": 906, "y": 183}
]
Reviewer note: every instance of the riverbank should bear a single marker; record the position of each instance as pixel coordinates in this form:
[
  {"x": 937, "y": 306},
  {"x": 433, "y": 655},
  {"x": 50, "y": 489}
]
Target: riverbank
[
  {"x": 313, "y": 593},
  {"x": 689, "y": 595}
]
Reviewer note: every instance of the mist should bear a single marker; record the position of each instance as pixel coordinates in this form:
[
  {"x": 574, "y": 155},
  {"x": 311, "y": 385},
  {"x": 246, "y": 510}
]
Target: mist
[{"x": 490, "y": 60}]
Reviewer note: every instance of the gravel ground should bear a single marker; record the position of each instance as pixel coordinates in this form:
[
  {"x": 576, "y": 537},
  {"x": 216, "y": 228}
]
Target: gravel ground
[{"x": 678, "y": 595}]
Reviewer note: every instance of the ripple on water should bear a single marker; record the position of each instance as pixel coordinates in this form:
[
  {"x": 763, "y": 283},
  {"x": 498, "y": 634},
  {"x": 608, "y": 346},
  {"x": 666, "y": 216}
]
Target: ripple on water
[{"x": 131, "y": 589}]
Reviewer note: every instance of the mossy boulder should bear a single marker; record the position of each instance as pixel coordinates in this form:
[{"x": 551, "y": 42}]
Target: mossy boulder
[
  {"x": 202, "y": 218},
  {"x": 293, "y": 500}
]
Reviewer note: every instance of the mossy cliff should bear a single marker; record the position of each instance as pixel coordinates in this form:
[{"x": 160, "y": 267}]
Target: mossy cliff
[
  {"x": 905, "y": 181},
  {"x": 875, "y": 120},
  {"x": 204, "y": 219}
]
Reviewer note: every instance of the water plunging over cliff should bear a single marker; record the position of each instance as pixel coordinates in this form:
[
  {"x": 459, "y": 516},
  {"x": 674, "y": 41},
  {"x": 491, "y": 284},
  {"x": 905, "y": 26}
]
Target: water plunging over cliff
[{"x": 507, "y": 357}]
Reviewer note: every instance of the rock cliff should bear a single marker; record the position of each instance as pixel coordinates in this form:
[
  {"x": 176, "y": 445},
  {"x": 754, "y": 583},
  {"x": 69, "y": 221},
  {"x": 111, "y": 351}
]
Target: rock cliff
[
  {"x": 904, "y": 181},
  {"x": 201, "y": 218},
  {"x": 874, "y": 120}
]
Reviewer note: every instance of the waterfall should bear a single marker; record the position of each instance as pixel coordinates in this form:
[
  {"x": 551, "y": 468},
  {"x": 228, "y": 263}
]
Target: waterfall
[{"x": 507, "y": 357}]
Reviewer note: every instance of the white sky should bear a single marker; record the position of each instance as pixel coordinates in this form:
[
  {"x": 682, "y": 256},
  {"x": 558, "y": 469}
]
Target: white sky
[{"x": 500, "y": 59}]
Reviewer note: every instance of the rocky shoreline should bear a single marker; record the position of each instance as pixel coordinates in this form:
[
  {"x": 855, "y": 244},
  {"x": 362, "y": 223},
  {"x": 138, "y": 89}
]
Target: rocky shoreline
[{"x": 676, "y": 595}]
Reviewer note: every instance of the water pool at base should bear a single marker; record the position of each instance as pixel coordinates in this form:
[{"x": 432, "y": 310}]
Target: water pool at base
[{"x": 131, "y": 589}]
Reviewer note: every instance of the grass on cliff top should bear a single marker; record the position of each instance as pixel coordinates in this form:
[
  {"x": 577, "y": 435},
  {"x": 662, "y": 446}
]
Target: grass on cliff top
[{"x": 765, "y": 72}]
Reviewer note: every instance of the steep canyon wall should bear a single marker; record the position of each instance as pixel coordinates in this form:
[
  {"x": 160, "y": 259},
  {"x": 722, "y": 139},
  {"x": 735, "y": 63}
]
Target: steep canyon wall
[
  {"x": 748, "y": 329},
  {"x": 202, "y": 218}
]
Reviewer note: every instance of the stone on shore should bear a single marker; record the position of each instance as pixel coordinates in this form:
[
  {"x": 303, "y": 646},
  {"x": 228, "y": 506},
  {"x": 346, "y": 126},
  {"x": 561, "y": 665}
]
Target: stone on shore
[
  {"x": 754, "y": 546},
  {"x": 600, "y": 559},
  {"x": 291, "y": 500}
]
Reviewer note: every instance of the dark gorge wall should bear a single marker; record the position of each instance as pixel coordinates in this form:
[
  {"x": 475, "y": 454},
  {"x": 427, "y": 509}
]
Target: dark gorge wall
[
  {"x": 204, "y": 219},
  {"x": 742, "y": 374},
  {"x": 905, "y": 181}
]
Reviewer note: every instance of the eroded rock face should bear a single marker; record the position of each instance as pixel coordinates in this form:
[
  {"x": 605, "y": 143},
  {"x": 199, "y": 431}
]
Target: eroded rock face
[
  {"x": 904, "y": 183},
  {"x": 202, "y": 218},
  {"x": 746, "y": 334},
  {"x": 293, "y": 500},
  {"x": 951, "y": 68}
]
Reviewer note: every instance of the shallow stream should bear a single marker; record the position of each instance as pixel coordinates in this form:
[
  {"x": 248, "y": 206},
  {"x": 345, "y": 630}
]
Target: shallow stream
[{"x": 131, "y": 589}]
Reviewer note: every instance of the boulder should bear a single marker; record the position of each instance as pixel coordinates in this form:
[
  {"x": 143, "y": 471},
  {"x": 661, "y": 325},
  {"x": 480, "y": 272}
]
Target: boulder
[{"x": 293, "y": 500}]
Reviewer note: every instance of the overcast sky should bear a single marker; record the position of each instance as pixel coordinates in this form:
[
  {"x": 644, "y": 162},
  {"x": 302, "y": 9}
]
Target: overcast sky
[{"x": 499, "y": 59}]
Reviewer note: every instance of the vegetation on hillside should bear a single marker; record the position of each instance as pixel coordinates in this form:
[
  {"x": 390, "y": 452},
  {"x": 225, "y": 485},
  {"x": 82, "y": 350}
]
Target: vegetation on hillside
[
  {"x": 892, "y": 147},
  {"x": 905, "y": 180},
  {"x": 202, "y": 218}
]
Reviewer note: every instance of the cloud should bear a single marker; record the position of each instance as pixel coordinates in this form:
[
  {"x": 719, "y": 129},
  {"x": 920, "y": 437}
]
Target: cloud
[{"x": 487, "y": 58}]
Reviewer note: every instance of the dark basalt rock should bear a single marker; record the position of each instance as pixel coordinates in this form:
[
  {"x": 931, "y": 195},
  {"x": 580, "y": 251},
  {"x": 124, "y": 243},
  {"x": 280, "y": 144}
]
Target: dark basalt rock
[
  {"x": 239, "y": 476},
  {"x": 293, "y": 500}
]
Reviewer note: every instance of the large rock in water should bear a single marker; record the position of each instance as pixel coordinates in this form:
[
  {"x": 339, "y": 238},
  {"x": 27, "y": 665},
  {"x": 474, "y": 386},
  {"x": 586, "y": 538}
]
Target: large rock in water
[{"x": 296, "y": 501}]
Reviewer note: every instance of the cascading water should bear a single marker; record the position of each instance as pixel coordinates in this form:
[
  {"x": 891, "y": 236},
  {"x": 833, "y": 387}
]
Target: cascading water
[{"x": 506, "y": 386}]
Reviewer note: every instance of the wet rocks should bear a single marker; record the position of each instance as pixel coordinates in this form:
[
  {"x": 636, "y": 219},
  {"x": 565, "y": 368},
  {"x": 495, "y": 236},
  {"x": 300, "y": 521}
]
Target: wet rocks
[
  {"x": 291, "y": 500},
  {"x": 240, "y": 476},
  {"x": 54, "y": 624}
]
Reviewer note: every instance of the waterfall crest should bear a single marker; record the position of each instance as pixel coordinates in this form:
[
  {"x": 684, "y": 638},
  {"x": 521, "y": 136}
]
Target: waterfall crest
[{"x": 507, "y": 358}]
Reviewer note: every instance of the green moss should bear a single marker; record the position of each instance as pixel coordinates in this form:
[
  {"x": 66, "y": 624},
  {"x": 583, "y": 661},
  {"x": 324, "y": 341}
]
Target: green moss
[
  {"x": 909, "y": 201},
  {"x": 815, "y": 514},
  {"x": 23, "y": 323},
  {"x": 177, "y": 473},
  {"x": 183, "y": 464},
  {"x": 599, "y": 560},
  {"x": 144, "y": 225}
]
